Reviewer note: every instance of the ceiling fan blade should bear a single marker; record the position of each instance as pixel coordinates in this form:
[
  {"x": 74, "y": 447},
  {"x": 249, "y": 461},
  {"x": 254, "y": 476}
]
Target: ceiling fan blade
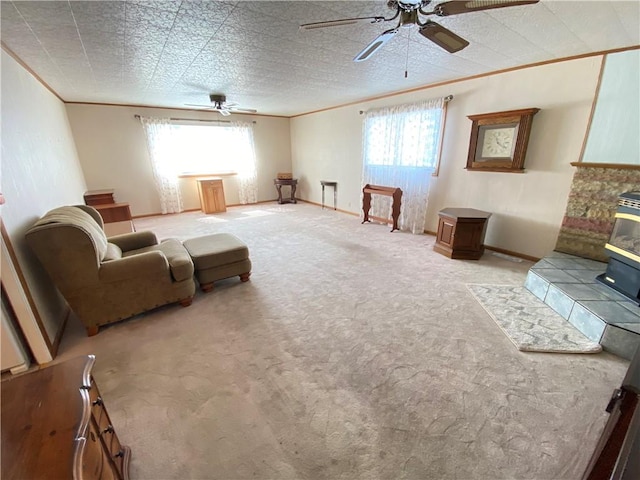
[
  {"x": 244, "y": 110},
  {"x": 443, "y": 37},
  {"x": 343, "y": 21},
  {"x": 224, "y": 112},
  {"x": 374, "y": 46},
  {"x": 455, "y": 7}
]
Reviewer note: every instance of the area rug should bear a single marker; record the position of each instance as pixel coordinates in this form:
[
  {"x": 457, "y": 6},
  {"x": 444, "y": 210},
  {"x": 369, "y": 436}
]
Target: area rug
[{"x": 529, "y": 323}]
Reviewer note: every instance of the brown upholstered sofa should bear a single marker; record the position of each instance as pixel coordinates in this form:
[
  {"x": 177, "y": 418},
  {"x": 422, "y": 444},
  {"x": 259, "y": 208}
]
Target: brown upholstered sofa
[{"x": 108, "y": 279}]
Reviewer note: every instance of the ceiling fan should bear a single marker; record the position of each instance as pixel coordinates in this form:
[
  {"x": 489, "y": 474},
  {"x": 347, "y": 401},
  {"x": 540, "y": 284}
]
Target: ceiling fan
[
  {"x": 219, "y": 104},
  {"x": 409, "y": 13}
]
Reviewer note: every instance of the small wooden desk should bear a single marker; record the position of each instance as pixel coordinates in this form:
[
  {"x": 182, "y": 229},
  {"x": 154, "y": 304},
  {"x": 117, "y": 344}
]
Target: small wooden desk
[
  {"x": 461, "y": 233},
  {"x": 116, "y": 216},
  {"x": 292, "y": 182}
]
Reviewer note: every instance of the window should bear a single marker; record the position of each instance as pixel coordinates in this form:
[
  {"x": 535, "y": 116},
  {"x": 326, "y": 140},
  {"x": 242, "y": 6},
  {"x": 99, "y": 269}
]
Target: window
[
  {"x": 410, "y": 139},
  {"x": 206, "y": 149},
  {"x": 176, "y": 149},
  {"x": 401, "y": 149}
]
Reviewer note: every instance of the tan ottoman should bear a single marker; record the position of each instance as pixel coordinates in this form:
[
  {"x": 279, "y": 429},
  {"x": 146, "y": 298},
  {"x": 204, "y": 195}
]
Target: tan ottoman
[{"x": 218, "y": 256}]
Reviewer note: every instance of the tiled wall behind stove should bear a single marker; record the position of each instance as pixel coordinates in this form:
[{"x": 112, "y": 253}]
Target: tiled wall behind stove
[{"x": 591, "y": 208}]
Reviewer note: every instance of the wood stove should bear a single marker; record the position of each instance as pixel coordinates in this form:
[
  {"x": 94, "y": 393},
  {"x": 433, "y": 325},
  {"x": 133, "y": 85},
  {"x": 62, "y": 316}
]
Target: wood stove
[{"x": 623, "y": 248}]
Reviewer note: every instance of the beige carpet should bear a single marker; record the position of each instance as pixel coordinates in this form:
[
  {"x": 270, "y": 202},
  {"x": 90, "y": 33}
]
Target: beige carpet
[{"x": 353, "y": 353}]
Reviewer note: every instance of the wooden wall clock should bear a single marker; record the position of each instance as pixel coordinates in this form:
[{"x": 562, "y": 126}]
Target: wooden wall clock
[{"x": 499, "y": 140}]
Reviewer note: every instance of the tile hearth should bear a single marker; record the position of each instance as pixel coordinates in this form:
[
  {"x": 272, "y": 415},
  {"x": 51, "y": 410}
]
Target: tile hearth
[{"x": 568, "y": 285}]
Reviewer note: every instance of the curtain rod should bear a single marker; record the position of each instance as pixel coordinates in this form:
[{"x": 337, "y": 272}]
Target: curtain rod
[
  {"x": 194, "y": 120},
  {"x": 446, "y": 99}
]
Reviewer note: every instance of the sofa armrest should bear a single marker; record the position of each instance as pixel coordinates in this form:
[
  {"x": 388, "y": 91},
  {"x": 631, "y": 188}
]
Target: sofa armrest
[
  {"x": 135, "y": 240},
  {"x": 136, "y": 266}
]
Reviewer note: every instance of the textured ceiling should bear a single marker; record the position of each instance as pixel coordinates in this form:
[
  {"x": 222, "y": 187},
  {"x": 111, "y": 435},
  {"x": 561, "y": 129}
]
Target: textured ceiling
[{"x": 171, "y": 53}]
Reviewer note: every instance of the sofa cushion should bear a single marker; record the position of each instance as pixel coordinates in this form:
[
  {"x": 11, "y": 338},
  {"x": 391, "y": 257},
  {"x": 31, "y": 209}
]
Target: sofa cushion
[
  {"x": 179, "y": 260},
  {"x": 77, "y": 217},
  {"x": 113, "y": 252}
]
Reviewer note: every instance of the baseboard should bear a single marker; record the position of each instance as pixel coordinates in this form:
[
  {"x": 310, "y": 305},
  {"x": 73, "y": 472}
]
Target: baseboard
[
  {"x": 512, "y": 254},
  {"x": 159, "y": 214},
  {"x": 275, "y": 200},
  {"x": 147, "y": 215},
  {"x": 499, "y": 250},
  {"x": 329, "y": 208}
]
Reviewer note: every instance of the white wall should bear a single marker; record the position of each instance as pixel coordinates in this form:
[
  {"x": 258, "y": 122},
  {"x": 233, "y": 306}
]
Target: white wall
[
  {"x": 527, "y": 208},
  {"x": 113, "y": 153},
  {"x": 40, "y": 171},
  {"x": 613, "y": 135}
]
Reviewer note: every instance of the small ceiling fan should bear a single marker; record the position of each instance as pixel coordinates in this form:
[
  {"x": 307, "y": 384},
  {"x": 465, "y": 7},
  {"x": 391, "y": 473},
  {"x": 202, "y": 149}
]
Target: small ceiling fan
[
  {"x": 219, "y": 104},
  {"x": 409, "y": 13}
]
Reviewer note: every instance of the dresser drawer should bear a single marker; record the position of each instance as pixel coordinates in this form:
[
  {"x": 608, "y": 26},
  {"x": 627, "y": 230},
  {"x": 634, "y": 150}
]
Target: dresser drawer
[
  {"x": 109, "y": 472},
  {"x": 108, "y": 436},
  {"x": 93, "y": 458},
  {"x": 94, "y": 393},
  {"x": 116, "y": 450},
  {"x": 102, "y": 420}
]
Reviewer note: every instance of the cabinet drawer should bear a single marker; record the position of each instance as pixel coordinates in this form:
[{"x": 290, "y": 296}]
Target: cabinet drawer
[
  {"x": 109, "y": 472},
  {"x": 92, "y": 457},
  {"x": 102, "y": 419},
  {"x": 116, "y": 451},
  {"x": 104, "y": 427},
  {"x": 94, "y": 393}
]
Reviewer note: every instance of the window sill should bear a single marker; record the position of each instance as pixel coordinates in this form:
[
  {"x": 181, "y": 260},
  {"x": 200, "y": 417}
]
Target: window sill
[{"x": 197, "y": 175}]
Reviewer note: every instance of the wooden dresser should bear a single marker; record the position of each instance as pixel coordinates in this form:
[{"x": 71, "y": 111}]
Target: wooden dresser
[
  {"x": 55, "y": 426},
  {"x": 211, "y": 192}
]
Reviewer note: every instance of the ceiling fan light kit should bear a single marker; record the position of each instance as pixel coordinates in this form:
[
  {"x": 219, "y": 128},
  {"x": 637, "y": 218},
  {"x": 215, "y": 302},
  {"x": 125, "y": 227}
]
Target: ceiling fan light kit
[{"x": 410, "y": 12}]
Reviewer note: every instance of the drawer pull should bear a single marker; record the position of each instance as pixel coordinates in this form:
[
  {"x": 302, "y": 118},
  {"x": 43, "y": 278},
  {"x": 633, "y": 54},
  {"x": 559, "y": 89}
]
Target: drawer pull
[
  {"x": 109, "y": 429},
  {"x": 97, "y": 401}
]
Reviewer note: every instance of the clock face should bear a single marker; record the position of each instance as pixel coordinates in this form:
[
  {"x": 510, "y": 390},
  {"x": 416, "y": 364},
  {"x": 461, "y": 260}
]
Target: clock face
[{"x": 498, "y": 142}]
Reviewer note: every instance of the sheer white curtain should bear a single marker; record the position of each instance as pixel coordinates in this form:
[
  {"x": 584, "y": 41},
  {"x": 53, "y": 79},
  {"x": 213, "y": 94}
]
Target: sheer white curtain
[
  {"x": 159, "y": 132},
  {"x": 246, "y": 162},
  {"x": 400, "y": 150}
]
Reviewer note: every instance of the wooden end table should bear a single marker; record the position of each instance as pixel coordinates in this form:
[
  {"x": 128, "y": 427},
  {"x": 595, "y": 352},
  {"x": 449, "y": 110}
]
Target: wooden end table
[
  {"x": 291, "y": 182},
  {"x": 461, "y": 233}
]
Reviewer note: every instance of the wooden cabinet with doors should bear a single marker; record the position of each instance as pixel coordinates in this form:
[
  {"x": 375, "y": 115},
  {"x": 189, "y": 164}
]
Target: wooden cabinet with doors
[
  {"x": 211, "y": 193},
  {"x": 461, "y": 233}
]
